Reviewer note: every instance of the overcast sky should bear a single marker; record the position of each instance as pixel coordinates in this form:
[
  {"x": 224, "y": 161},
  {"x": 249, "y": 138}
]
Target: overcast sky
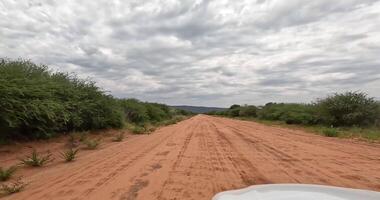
[{"x": 210, "y": 53}]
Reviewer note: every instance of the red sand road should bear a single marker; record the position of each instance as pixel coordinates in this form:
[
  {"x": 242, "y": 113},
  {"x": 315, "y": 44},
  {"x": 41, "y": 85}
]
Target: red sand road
[{"x": 201, "y": 156}]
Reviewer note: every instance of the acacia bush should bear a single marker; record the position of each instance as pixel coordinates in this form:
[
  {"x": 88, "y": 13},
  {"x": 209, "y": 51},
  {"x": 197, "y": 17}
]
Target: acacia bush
[
  {"x": 38, "y": 103},
  {"x": 141, "y": 113},
  {"x": 348, "y": 109},
  {"x": 248, "y": 111},
  {"x": 345, "y": 109},
  {"x": 134, "y": 110},
  {"x": 291, "y": 113}
]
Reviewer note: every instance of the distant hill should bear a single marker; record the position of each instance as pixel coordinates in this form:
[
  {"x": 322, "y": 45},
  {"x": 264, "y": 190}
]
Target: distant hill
[{"x": 199, "y": 109}]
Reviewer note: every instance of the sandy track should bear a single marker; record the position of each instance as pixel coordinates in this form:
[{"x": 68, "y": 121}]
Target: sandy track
[{"x": 201, "y": 156}]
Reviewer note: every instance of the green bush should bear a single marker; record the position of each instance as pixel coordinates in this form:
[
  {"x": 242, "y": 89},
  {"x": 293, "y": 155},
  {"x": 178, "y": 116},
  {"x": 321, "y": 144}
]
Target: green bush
[
  {"x": 138, "y": 130},
  {"x": 248, "y": 111},
  {"x": 348, "y": 109},
  {"x": 91, "y": 144},
  {"x": 36, "y": 160},
  {"x": 135, "y": 111},
  {"x": 141, "y": 113},
  {"x": 330, "y": 132},
  {"x": 157, "y": 112},
  {"x": 234, "y": 106},
  {"x": 69, "y": 155},
  {"x": 290, "y": 113},
  {"x": 233, "y": 112},
  {"x": 36, "y": 103}
]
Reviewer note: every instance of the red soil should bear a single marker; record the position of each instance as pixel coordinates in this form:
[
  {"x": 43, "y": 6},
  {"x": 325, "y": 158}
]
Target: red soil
[{"x": 197, "y": 158}]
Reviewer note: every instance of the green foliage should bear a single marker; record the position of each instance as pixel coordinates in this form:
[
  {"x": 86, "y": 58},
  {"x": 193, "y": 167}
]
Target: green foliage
[
  {"x": 36, "y": 160},
  {"x": 69, "y": 155},
  {"x": 34, "y": 102},
  {"x": 248, "y": 111},
  {"x": 37, "y": 103},
  {"x": 141, "y": 113},
  {"x": 14, "y": 187},
  {"x": 345, "y": 109},
  {"x": 348, "y": 109},
  {"x": 138, "y": 130},
  {"x": 92, "y": 144},
  {"x": 290, "y": 113},
  {"x": 233, "y": 112},
  {"x": 330, "y": 132},
  {"x": 234, "y": 106},
  {"x": 6, "y": 173},
  {"x": 135, "y": 111}
]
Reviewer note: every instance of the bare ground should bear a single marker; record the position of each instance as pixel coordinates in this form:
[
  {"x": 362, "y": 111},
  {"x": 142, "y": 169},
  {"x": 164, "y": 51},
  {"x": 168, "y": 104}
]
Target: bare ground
[{"x": 199, "y": 157}]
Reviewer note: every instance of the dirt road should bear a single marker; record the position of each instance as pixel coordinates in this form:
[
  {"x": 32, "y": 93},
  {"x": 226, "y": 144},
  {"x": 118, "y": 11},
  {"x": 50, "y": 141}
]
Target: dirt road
[{"x": 201, "y": 156}]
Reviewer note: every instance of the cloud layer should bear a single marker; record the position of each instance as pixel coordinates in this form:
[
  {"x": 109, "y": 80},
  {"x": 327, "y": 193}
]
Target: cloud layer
[{"x": 211, "y": 53}]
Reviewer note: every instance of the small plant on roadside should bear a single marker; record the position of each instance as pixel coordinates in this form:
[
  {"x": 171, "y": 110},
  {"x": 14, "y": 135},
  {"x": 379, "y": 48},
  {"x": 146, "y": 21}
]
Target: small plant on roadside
[
  {"x": 69, "y": 155},
  {"x": 330, "y": 132},
  {"x": 138, "y": 130},
  {"x": 91, "y": 144},
  {"x": 14, "y": 187},
  {"x": 6, "y": 174},
  {"x": 36, "y": 160},
  {"x": 119, "y": 137}
]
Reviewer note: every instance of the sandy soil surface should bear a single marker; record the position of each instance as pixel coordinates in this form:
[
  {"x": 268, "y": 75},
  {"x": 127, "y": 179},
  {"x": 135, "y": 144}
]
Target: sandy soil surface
[{"x": 199, "y": 157}]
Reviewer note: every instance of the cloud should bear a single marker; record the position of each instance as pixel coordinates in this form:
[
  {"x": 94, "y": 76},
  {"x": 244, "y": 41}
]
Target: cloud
[{"x": 212, "y": 53}]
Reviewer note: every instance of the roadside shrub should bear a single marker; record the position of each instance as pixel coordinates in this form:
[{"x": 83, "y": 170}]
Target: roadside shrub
[
  {"x": 233, "y": 112},
  {"x": 92, "y": 144},
  {"x": 138, "y": 130},
  {"x": 36, "y": 160},
  {"x": 248, "y": 111},
  {"x": 290, "y": 113},
  {"x": 36, "y": 103},
  {"x": 14, "y": 187},
  {"x": 156, "y": 112},
  {"x": 330, "y": 132},
  {"x": 348, "y": 109},
  {"x": 135, "y": 111},
  {"x": 69, "y": 155},
  {"x": 141, "y": 113},
  {"x": 234, "y": 106},
  {"x": 119, "y": 137},
  {"x": 6, "y": 173}
]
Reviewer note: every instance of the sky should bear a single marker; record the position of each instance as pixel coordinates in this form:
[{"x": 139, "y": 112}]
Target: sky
[{"x": 206, "y": 53}]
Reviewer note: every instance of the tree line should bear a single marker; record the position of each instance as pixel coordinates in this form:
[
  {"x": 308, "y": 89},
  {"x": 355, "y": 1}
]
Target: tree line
[
  {"x": 339, "y": 109},
  {"x": 38, "y": 103}
]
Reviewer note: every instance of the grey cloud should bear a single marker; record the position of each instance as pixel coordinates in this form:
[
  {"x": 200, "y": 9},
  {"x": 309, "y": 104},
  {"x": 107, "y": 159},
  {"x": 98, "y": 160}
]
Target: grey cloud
[{"x": 203, "y": 52}]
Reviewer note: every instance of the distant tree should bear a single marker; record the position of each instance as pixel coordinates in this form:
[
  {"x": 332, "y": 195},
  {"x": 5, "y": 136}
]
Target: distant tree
[
  {"x": 347, "y": 109},
  {"x": 248, "y": 111},
  {"x": 234, "y": 106}
]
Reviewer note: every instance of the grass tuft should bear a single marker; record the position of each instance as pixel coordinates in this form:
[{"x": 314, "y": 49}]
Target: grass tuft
[
  {"x": 36, "y": 160},
  {"x": 92, "y": 144},
  {"x": 330, "y": 132},
  {"x": 138, "y": 130},
  {"x": 69, "y": 155},
  {"x": 5, "y": 174}
]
